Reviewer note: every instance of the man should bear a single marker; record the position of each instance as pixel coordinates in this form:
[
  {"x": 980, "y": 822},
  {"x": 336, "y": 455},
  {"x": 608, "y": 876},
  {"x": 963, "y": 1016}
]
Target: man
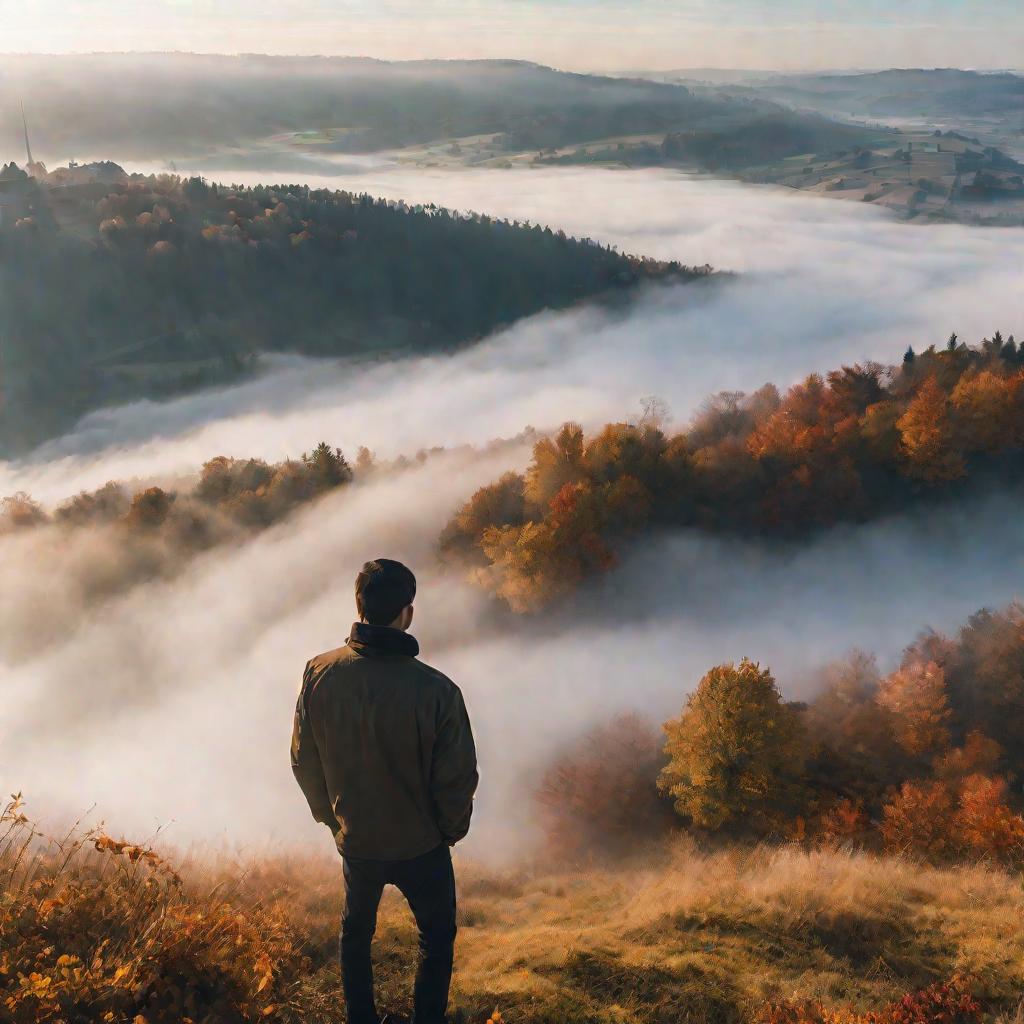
[{"x": 383, "y": 750}]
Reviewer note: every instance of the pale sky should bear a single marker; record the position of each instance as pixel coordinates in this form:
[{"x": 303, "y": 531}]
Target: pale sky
[{"x": 576, "y": 34}]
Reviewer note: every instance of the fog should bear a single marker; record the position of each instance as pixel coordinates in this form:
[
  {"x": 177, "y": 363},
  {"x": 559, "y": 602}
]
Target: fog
[
  {"x": 819, "y": 283},
  {"x": 172, "y": 704},
  {"x": 249, "y": 107}
]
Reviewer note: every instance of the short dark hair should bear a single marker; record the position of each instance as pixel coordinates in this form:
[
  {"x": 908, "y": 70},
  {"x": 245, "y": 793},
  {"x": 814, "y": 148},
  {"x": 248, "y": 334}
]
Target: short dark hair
[{"x": 383, "y": 588}]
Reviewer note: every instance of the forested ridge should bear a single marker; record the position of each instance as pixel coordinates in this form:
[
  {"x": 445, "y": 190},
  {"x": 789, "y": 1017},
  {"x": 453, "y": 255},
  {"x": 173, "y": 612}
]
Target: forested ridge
[
  {"x": 855, "y": 444},
  {"x": 167, "y": 284}
]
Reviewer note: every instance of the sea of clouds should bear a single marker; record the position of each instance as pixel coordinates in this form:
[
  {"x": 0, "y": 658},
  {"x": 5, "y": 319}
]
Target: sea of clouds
[{"x": 172, "y": 704}]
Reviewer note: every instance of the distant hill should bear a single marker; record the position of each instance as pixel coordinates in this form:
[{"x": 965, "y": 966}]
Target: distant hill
[
  {"x": 169, "y": 106},
  {"x": 902, "y": 93},
  {"x": 152, "y": 286}
]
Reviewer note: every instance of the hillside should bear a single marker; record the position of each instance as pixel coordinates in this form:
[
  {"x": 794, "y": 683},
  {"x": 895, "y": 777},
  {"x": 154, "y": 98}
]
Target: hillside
[
  {"x": 282, "y": 111},
  {"x": 167, "y": 285},
  {"x": 851, "y": 860},
  {"x": 717, "y": 936},
  {"x": 899, "y": 92}
]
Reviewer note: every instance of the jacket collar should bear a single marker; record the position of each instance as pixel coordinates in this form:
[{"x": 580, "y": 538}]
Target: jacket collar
[{"x": 368, "y": 639}]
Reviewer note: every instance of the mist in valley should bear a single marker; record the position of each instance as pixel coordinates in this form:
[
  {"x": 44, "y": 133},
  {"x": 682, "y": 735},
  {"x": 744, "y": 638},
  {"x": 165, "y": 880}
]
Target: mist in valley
[{"x": 171, "y": 704}]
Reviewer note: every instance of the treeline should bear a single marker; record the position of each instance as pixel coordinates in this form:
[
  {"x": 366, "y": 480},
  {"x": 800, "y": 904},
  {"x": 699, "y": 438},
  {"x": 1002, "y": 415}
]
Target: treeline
[
  {"x": 858, "y": 443},
  {"x": 102, "y": 543},
  {"x": 229, "y": 494},
  {"x": 157, "y": 284},
  {"x": 925, "y": 760}
]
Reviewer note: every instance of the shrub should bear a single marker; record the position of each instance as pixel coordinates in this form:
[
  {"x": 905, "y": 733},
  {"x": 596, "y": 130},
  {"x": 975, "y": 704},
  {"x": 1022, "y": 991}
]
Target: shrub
[
  {"x": 985, "y": 823},
  {"x": 98, "y": 929},
  {"x": 950, "y": 1002},
  {"x": 600, "y": 795},
  {"x": 919, "y": 819}
]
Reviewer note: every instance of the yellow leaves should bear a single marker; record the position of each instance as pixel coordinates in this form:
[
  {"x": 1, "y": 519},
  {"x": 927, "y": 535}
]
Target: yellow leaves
[
  {"x": 926, "y": 436},
  {"x": 986, "y": 406}
]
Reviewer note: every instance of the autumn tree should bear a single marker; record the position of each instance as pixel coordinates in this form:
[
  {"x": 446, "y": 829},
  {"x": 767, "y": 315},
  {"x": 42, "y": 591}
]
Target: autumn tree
[
  {"x": 556, "y": 462},
  {"x": 978, "y": 755},
  {"x": 149, "y": 509},
  {"x": 855, "y": 753},
  {"x": 736, "y": 754},
  {"x": 496, "y": 505},
  {"x": 538, "y": 561},
  {"x": 915, "y": 696},
  {"x": 106, "y": 504},
  {"x": 926, "y": 436},
  {"x": 987, "y": 410},
  {"x": 20, "y": 511},
  {"x": 985, "y": 675}
]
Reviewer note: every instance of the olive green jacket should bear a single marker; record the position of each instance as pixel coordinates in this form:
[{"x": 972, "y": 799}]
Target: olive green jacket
[{"x": 382, "y": 748}]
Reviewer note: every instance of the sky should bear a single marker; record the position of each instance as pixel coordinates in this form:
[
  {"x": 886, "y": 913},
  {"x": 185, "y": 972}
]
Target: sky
[{"x": 587, "y": 35}]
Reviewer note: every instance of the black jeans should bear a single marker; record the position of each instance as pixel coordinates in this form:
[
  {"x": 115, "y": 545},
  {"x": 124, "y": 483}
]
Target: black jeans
[{"x": 428, "y": 883}]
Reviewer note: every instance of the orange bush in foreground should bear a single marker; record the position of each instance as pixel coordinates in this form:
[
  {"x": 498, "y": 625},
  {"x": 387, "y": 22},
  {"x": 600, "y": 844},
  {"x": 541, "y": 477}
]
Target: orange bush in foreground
[{"x": 98, "y": 929}]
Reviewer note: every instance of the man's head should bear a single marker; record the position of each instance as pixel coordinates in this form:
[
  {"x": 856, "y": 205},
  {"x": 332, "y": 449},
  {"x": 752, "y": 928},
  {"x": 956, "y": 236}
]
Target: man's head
[{"x": 385, "y": 590}]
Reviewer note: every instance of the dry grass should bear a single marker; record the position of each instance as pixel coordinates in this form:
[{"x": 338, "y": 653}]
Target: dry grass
[{"x": 681, "y": 935}]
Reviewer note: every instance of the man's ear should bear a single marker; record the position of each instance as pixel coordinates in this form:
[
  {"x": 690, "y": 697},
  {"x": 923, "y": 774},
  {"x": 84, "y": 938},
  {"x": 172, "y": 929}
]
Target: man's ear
[{"x": 409, "y": 611}]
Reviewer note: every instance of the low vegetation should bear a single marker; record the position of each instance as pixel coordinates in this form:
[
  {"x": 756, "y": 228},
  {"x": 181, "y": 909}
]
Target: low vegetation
[
  {"x": 97, "y": 929},
  {"x": 860, "y": 443}
]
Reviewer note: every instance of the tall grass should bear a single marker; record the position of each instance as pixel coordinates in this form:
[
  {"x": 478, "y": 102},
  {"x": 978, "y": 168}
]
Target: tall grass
[{"x": 97, "y": 929}]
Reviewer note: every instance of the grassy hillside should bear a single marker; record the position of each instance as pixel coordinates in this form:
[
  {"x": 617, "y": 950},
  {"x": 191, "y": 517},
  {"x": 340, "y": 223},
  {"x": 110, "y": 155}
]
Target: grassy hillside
[
  {"x": 99, "y": 929},
  {"x": 166, "y": 285}
]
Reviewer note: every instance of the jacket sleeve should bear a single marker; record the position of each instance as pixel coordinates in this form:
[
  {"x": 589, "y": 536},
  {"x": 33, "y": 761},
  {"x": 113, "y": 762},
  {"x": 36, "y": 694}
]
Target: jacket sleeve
[
  {"x": 453, "y": 777},
  {"x": 306, "y": 764}
]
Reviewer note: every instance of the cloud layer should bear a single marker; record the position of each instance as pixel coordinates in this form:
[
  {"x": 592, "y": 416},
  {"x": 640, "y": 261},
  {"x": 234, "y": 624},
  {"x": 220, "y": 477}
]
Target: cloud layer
[{"x": 173, "y": 703}]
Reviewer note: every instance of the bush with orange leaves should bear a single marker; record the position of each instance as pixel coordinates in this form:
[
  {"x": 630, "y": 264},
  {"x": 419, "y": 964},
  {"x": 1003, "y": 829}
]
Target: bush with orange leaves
[
  {"x": 845, "y": 822},
  {"x": 939, "y": 820},
  {"x": 986, "y": 824},
  {"x": 98, "y": 929},
  {"x": 949, "y": 1002},
  {"x": 600, "y": 796}
]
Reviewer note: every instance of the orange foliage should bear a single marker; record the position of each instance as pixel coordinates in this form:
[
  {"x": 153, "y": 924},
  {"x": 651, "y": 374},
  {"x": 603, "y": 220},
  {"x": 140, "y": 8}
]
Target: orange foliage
[
  {"x": 984, "y": 821},
  {"x": 987, "y": 408},
  {"x": 115, "y": 936},
  {"x": 926, "y": 435},
  {"x": 916, "y": 697},
  {"x": 919, "y": 819},
  {"x": 846, "y": 822},
  {"x": 950, "y": 1002}
]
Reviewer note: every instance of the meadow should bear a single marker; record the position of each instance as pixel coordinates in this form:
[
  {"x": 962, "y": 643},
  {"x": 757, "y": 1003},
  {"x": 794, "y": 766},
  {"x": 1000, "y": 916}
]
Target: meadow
[{"x": 94, "y": 928}]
